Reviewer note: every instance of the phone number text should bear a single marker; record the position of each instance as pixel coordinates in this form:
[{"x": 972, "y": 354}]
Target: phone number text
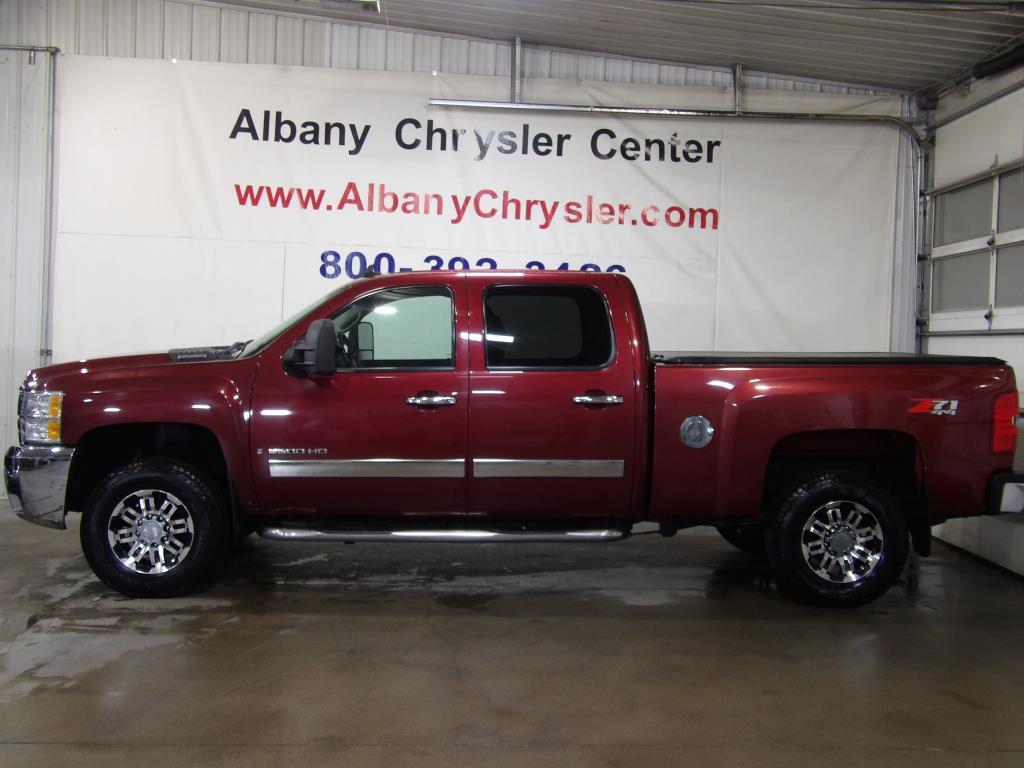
[{"x": 355, "y": 264}]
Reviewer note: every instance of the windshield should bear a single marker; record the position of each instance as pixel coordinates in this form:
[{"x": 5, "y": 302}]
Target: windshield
[{"x": 259, "y": 343}]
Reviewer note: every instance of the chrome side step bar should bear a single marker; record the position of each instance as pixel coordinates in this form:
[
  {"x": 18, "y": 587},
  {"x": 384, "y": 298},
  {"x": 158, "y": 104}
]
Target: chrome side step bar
[{"x": 441, "y": 536}]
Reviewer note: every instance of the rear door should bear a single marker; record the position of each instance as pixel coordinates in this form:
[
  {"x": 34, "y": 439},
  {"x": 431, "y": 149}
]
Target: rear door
[{"x": 552, "y": 398}]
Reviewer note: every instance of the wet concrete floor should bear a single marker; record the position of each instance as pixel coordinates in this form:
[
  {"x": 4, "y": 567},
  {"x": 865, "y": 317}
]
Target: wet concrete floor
[{"x": 649, "y": 652}]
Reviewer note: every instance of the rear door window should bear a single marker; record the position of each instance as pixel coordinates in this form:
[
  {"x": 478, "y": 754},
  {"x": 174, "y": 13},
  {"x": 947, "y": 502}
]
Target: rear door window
[{"x": 547, "y": 326}]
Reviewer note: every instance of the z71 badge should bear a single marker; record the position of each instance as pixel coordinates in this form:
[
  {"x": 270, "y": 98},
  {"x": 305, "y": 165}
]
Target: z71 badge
[{"x": 935, "y": 407}]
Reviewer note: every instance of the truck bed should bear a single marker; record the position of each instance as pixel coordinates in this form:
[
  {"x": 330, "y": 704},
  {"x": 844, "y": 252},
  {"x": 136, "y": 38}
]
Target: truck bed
[{"x": 765, "y": 405}]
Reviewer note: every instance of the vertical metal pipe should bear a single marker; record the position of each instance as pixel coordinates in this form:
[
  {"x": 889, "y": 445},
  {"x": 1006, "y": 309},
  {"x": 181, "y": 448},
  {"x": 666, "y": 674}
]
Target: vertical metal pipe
[
  {"x": 49, "y": 211},
  {"x": 925, "y": 159},
  {"x": 46, "y": 334},
  {"x": 516, "y": 86},
  {"x": 905, "y": 299},
  {"x": 737, "y": 88}
]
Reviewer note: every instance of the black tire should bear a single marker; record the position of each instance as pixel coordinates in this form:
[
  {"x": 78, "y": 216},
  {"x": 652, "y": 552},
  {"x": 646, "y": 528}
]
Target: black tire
[
  {"x": 746, "y": 538},
  {"x": 847, "y": 561},
  {"x": 179, "y": 540}
]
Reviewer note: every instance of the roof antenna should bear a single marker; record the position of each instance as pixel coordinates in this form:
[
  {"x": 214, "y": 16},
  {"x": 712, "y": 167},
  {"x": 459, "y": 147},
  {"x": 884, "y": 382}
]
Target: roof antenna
[{"x": 371, "y": 272}]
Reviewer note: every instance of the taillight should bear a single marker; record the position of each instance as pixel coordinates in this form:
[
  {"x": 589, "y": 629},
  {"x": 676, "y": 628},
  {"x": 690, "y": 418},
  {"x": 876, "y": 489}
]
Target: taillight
[{"x": 1004, "y": 423}]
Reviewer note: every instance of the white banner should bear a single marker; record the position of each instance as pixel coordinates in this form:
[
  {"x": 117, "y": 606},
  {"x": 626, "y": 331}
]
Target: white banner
[{"x": 200, "y": 203}]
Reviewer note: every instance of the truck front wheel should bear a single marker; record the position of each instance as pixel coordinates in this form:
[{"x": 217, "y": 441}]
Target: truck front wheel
[
  {"x": 837, "y": 538},
  {"x": 153, "y": 528}
]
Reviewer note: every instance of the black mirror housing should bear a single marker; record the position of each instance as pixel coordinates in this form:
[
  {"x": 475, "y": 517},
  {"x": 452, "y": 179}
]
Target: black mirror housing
[{"x": 314, "y": 353}]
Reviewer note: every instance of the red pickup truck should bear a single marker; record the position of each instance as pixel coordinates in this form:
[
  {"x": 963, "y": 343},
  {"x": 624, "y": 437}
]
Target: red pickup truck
[{"x": 509, "y": 406}]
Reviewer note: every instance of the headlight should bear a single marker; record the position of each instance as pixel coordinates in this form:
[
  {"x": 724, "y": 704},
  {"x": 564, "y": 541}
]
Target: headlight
[{"x": 40, "y": 417}]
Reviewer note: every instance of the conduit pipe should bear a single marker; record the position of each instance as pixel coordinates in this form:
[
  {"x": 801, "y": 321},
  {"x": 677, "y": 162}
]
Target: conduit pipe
[
  {"x": 904, "y": 125},
  {"x": 1000, "y": 63},
  {"x": 964, "y": 334},
  {"x": 49, "y": 215},
  {"x": 516, "y": 86},
  {"x": 516, "y": 103}
]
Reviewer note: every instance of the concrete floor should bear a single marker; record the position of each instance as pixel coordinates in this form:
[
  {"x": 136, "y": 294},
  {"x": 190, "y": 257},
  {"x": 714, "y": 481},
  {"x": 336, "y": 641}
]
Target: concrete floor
[{"x": 649, "y": 652}]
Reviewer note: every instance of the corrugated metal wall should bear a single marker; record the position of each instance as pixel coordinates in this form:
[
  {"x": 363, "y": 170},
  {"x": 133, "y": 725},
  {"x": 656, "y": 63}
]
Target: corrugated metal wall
[
  {"x": 206, "y": 32},
  {"x": 202, "y": 31}
]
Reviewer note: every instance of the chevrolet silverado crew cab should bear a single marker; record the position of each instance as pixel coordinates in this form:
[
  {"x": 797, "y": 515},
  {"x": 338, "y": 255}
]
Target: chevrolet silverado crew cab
[{"x": 501, "y": 406}]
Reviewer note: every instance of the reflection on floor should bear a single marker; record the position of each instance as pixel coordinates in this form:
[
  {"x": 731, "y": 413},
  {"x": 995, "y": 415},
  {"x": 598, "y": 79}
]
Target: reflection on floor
[{"x": 649, "y": 652}]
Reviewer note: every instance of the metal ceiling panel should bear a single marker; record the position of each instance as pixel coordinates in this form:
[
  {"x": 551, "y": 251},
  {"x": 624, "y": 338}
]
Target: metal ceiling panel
[{"x": 899, "y": 44}]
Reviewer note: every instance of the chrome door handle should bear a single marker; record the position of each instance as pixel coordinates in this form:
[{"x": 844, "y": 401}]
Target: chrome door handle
[
  {"x": 597, "y": 399},
  {"x": 430, "y": 400}
]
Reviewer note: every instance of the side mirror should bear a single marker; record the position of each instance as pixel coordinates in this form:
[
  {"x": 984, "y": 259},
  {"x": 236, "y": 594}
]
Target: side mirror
[
  {"x": 314, "y": 353},
  {"x": 364, "y": 342}
]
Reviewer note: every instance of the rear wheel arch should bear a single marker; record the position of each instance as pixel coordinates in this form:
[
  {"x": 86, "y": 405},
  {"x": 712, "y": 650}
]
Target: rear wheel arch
[{"x": 891, "y": 458}]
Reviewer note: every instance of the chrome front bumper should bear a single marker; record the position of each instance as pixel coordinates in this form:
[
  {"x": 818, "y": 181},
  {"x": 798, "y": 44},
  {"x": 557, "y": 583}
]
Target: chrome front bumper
[{"x": 36, "y": 478}]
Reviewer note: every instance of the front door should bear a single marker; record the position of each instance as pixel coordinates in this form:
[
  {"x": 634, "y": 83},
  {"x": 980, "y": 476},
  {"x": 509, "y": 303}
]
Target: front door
[
  {"x": 386, "y": 434},
  {"x": 552, "y": 400}
]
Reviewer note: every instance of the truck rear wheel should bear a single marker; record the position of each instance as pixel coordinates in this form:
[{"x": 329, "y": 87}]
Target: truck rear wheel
[
  {"x": 153, "y": 528},
  {"x": 837, "y": 538}
]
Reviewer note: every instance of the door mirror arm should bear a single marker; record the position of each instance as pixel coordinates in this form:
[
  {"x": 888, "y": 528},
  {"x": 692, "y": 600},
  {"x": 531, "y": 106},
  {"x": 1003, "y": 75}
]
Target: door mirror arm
[{"x": 313, "y": 354}]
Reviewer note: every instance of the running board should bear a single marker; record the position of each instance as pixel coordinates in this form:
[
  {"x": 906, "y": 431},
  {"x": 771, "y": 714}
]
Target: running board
[{"x": 441, "y": 536}]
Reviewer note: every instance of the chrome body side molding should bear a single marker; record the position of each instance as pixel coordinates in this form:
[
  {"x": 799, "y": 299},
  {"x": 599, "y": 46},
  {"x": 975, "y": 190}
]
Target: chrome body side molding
[
  {"x": 548, "y": 468},
  {"x": 419, "y": 468},
  {"x": 446, "y": 468}
]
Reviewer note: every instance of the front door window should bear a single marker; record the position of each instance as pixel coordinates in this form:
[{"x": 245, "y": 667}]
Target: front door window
[{"x": 411, "y": 327}]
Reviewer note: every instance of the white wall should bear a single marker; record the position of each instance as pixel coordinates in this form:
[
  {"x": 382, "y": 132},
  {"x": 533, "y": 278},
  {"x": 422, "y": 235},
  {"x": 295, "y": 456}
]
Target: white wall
[{"x": 805, "y": 207}]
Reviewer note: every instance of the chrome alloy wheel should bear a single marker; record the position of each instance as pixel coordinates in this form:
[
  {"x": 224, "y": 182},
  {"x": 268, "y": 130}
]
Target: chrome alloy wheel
[
  {"x": 150, "y": 532},
  {"x": 842, "y": 542}
]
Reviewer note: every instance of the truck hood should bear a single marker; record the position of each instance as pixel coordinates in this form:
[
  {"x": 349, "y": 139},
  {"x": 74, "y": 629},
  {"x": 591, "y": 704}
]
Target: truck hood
[
  {"x": 120, "y": 366},
  {"x": 100, "y": 365},
  {"x": 133, "y": 389}
]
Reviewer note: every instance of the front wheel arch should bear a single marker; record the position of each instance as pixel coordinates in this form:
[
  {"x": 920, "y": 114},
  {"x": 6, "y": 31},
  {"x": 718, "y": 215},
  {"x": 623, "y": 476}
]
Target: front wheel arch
[{"x": 103, "y": 449}]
